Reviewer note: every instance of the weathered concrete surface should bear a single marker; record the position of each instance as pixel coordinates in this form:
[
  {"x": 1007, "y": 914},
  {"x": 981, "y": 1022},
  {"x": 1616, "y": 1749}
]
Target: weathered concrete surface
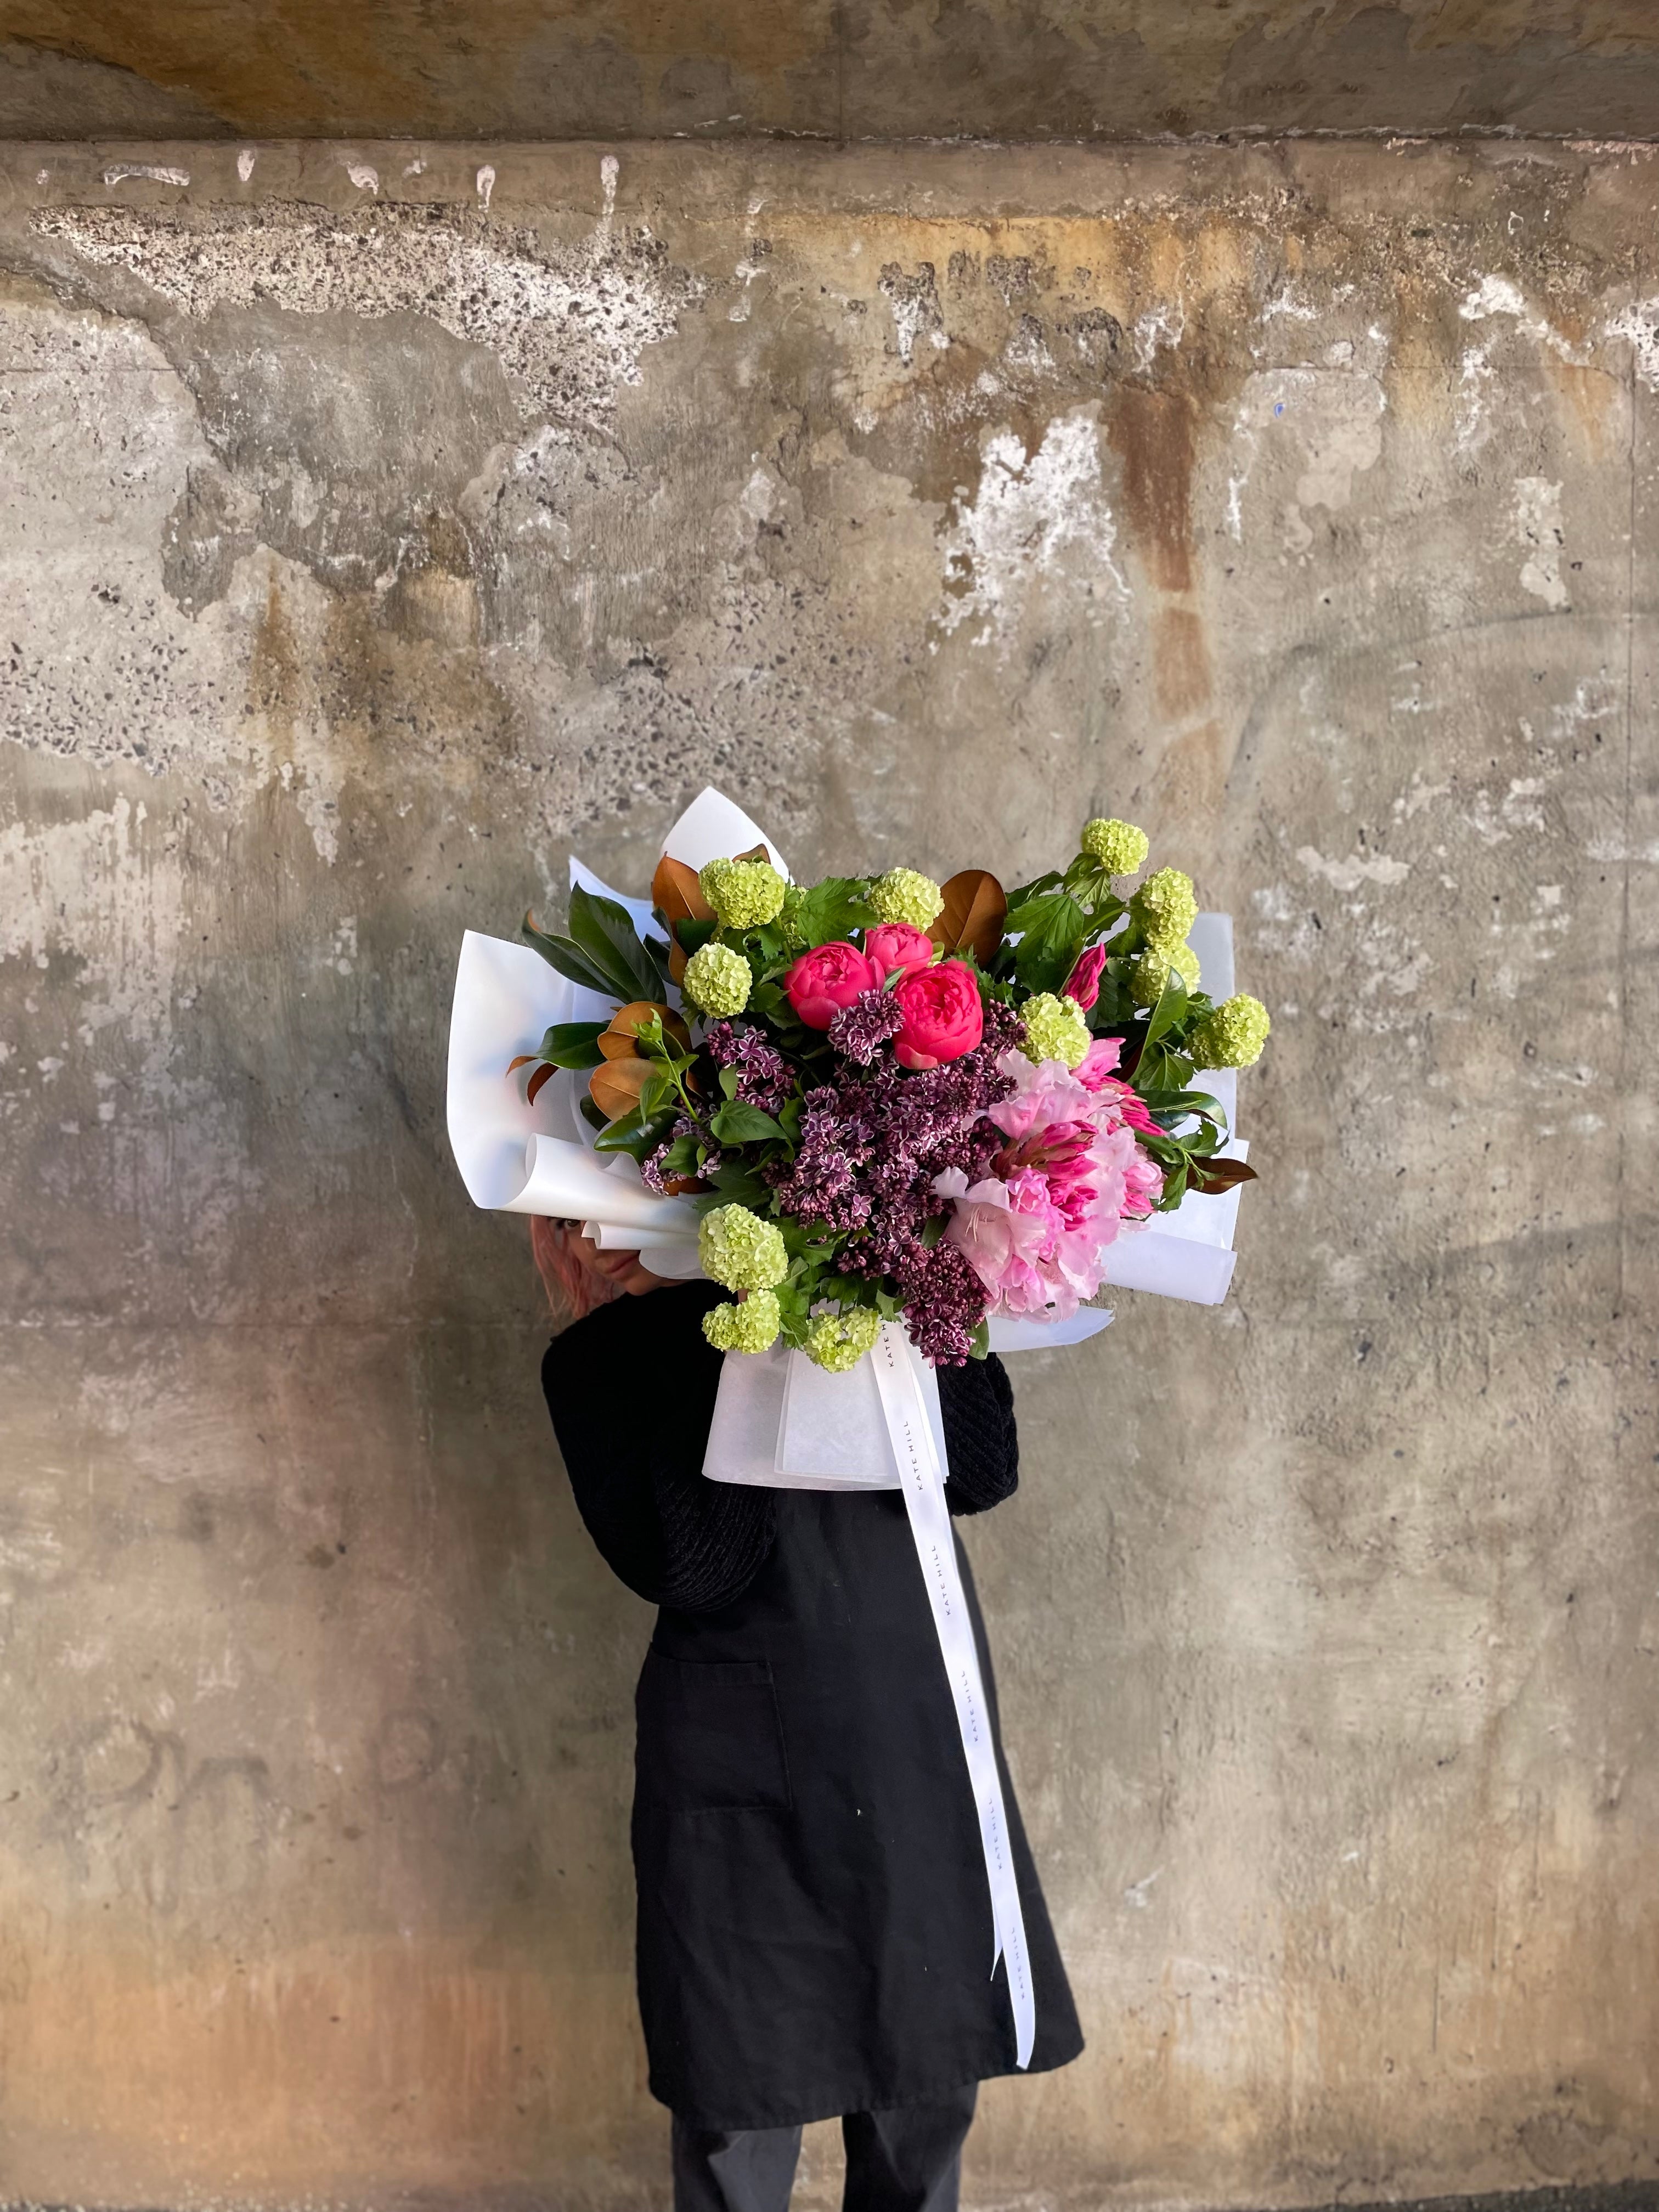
[
  {"x": 827, "y": 69},
  {"x": 368, "y": 546}
]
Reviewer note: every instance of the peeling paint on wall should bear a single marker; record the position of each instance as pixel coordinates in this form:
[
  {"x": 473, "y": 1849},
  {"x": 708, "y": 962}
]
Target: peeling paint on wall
[
  {"x": 1034, "y": 517},
  {"x": 1537, "y": 528},
  {"x": 569, "y": 324}
]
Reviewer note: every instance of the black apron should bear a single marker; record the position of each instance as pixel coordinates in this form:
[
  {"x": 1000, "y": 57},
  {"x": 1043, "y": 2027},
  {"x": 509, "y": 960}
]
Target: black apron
[{"x": 815, "y": 1931}]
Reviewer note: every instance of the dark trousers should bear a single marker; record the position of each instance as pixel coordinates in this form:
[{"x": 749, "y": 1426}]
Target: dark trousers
[{"x": 905, "y": 2159}]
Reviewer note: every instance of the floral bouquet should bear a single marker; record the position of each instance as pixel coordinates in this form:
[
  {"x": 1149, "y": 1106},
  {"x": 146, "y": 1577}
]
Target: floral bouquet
[{"x": 893, "y": 1100}]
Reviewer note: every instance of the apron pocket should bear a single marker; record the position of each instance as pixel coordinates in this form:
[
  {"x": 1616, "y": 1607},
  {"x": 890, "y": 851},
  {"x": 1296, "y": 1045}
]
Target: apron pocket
[{"x": 710, "y": 1739}]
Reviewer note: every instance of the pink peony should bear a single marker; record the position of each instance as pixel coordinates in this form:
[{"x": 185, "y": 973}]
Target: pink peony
[
  {"x": 1083, "y": 984},
  {"x": 896, "y": 944},
  {"x": 828, "y": 978},
  {"x": 943, "y": 1015},
  {"x": 1069, "y": 1179}
]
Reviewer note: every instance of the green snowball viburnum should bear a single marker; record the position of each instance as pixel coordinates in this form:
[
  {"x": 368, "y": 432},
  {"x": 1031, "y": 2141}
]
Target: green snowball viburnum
[
  {"x": 740, "y": 1251},
  {"x": 837, "y": 1341},
  {"x": 717, "y": 981},
  {"x": 1233, "y": 1035},
  {"x": 751, "y": 1327},
  {"x": 744, "y": 894},
  {"x": 902, "y": 895},
  {"x": 1165, "y": 908},
  {"x": 1118, "y": 848},
  {"x": 1152, "y": 971},
  {"x": 1054, "y": 1030}
]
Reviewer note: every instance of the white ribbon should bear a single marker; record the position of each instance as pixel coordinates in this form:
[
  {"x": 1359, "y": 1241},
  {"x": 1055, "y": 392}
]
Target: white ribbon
[{"x": 921, "y": 1479}]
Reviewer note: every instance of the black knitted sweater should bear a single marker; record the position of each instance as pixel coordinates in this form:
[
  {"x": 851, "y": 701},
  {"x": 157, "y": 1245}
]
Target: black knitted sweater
[{"x": 631, "y": 1390}]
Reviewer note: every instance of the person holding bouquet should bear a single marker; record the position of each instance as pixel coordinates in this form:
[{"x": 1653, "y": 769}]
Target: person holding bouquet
[{"x": 815, "y": 1929}]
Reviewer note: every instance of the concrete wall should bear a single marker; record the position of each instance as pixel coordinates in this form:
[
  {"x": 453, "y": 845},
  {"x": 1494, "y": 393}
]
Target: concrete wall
[
  {"x": 379, "y": 527},
  {"x": 826, "y": 68}
]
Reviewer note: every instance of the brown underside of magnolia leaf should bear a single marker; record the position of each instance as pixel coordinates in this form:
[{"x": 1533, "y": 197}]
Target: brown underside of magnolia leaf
[
  {"x": 972, "y": 916},
  {"x": 677, "y": 895},
  {"x": 617, "y": 1042},
  {"x": 615, "y": 1086}
]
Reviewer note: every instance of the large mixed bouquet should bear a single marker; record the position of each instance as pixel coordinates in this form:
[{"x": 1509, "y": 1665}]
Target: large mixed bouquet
[{"x": 891, "y": 1099}]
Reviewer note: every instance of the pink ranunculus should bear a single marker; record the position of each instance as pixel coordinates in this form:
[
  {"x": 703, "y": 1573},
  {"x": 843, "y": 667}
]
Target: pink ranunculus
[
  {"x": 943, "y": 1016},
  {"x": 896, "y": 944},
  {"x": 828, "y": 978},
  {"x": 1083, "y": 984}
]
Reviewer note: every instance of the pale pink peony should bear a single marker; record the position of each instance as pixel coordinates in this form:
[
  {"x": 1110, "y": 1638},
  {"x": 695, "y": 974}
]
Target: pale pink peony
[{"x": 1069, "y": 1179}]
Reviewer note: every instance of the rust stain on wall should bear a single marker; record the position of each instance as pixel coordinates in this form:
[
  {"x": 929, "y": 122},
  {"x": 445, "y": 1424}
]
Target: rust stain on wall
[{"x": 1154, "y": 433}]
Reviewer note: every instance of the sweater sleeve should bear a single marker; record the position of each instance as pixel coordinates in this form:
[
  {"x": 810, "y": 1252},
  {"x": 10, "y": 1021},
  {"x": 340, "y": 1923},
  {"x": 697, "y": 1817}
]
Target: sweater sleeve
[
  {"x": 631, "y": 1390},
  {"x": 980, "y": 1438}
]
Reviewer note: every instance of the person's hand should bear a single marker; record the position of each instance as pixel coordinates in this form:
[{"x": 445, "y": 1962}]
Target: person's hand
[{"x": 578, "y": 1276}]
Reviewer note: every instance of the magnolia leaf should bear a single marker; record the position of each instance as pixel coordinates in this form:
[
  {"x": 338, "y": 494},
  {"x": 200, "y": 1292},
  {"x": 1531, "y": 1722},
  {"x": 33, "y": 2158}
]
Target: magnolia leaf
[
  {"x": 572, "y": 1044},
  {"x": 605, "y": 933},
  {"x": 569, "y": 959},
  {"x": 634, "y": 1135},
  {"x": 615, "y": 1086},
  {"x": 523, "y": 1061},
  {"x": 619, "y": 1041},
  {"x": 677, "y": 895},
  {"x": 972, "y": 916},
  {"x": 1213, "y": 1175},
  {"x": 543, "y": 1074}
]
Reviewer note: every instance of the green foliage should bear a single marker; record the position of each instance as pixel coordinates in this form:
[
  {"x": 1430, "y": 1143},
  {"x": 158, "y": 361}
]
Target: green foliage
[
  {"x": 824, "y": 913},
  {"x": 603, "y": 951},
  {"x": 736, "y": 1124},
  {"x": 573, "y": 1044},
  {"x": 1051, "y": 929}
]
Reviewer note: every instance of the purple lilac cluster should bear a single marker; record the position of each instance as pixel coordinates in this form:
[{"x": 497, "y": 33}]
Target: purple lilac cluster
[
  {"x": 651, "y": 1166},
  {"x": 764, "y": 1077},
  {"x": 871, "y": 1143},
  {"x": 859, "y": 1031}
]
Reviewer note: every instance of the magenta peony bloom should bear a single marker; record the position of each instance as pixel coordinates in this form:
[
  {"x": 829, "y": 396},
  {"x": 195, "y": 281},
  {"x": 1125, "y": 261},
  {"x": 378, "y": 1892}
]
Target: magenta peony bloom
[
  {"x": 828, "y": 978},
  {"x": 896, "y": 944},
  {"x": 1067, "y": 1180},
  {"x": 943, "y": 1016},
  {"x": 1083, "y": 984}
]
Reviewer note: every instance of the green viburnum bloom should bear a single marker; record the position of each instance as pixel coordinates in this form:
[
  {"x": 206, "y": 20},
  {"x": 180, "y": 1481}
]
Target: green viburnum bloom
[
  {"x": 1117, "y": 847},
  {"x": 1151, "y": 972},
  {"x": 1165, "y": 908},
  {"x": 740, "y": 1251},
  {"x": 717, "y": 981},
  {"x": 744, "y": 894},
  {"x": 1054, "y": 1030},
  {"x": 839, "y": 1340},
  {"x": 1233, "y": 1035},
  {"x": 748, "y": 1328},
  {"x": 902, "y": 895}
]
